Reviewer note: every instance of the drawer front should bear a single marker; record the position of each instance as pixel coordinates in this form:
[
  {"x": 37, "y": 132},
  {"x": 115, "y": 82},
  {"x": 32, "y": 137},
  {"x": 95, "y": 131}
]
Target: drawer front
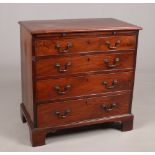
[
  {"x": 60, "y": 46},
  {"x": 83, "y": 85},
  {"x": 81, "y": 64},
  {"x": 61, "y": 113}
]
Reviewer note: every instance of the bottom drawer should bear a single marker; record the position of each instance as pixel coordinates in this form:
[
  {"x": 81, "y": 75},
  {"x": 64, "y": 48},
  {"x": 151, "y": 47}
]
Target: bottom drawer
[{"x": 61, "y": 113}]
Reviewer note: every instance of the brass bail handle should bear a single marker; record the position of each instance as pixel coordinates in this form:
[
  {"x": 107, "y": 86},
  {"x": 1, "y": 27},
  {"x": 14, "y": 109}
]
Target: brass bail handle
[
  {"x": 66, "y": 50},
  {"x": 64, "y": 91},
  {"x": 63, "y": 69},
  {"x": 114, "y": 64},
  {"x": 117, "y": 44},
  {"x": 64, "y": 114},
  {"x": 109, "y": 107},
  {"x": 114, "y": 84}
]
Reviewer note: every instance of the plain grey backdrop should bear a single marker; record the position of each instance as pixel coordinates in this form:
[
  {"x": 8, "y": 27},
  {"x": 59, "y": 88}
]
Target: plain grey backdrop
[{"x": 14, "y": 136}]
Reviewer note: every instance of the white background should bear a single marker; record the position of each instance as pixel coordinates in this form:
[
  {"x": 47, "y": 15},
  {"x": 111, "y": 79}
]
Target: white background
[{"x": 14, "y": 136}]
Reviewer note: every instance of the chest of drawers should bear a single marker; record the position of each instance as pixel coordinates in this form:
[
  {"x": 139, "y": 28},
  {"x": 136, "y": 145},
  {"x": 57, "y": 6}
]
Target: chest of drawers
[{"x": 76, "y": 72}]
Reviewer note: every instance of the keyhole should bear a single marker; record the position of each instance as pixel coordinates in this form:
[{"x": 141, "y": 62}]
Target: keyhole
[
  {"x": 63, "y": 34},
  {"x": 88, "y": 59},
  {"x": 114, "y": 33}
]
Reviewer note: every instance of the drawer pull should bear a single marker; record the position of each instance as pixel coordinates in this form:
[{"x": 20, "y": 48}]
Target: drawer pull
[
  {"x": 64, "y": 91},
  {"x": 66, "y": 50},
  {"x": 117, "y": 44},
  {"x": 115, "y": 63},
  {"x": 113, "y": 85},
  {"x": 109, "y": 107},
  {"x": 62, "y": 70},
  {"x": 64, "y": 114}
]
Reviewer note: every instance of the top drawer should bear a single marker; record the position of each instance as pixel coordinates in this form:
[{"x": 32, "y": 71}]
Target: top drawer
[{"x": 83, "y": 44}]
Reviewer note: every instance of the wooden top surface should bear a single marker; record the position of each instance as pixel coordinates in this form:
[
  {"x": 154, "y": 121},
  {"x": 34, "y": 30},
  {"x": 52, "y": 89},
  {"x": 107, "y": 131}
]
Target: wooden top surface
[{"x": 76, "y": 25}]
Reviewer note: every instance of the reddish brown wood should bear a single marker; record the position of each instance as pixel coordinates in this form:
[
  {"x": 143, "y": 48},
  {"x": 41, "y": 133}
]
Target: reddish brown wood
[
  {"x": 84, "y": 85},
  {"x": 127, "y": 125},
  {"x": 84, "y": 34},
  {"x": 77, "y": 25},
  {"x": 83, "y": 44},
  {"x": 91, "y": 109},
  {"x": 94, "y": 88},
  {"x": 37, "y": 135},
  {"x": 26, "y": 71},
  {"x": 83, "y": 64}
]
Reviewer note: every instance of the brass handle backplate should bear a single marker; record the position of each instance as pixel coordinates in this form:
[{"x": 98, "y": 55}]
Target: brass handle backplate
[
  {"x": 117, "y": 44},
  {"x": 64, "y": 91},
  {"x": 66, "y": 50},
  {"x": 114, "y": 84},
  {"x": 109, "y": 107},
  {"x": 64, "y": 114},
  {"x": 115, "y": 63},
  {"x": 64, "y": 69}
]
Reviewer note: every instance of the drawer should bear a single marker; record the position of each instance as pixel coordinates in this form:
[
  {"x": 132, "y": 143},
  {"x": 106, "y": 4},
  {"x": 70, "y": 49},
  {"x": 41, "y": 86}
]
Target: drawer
[
  {"x": 58, "y": 46},
  {"x": 72, "y": 111},
  {"x": 81, "y": 64},
  {"x": 52, "y": 89}
]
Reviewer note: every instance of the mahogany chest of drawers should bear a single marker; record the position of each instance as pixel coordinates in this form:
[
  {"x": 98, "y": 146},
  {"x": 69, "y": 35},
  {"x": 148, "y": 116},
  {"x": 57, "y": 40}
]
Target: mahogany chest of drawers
[{"x": 76, "y": 72}]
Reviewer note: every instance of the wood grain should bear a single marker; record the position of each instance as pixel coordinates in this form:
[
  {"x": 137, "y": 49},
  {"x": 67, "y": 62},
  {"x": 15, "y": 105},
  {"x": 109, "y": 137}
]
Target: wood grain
[
  {"x": 26, "y": 71},
  {"x": 38, "y": 135},
  {"x": 75, "y": 73},
  {"x": 91, "y": 108},
  {"x": 83, "y": 85},
  {"x": 83, "y": 64},
  {"x": 44, "y": 47},
  {"x": 77, "y": 25}
]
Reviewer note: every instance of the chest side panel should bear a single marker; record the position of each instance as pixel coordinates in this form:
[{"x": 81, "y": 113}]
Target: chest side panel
[{"x": 26, "y": 71}]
